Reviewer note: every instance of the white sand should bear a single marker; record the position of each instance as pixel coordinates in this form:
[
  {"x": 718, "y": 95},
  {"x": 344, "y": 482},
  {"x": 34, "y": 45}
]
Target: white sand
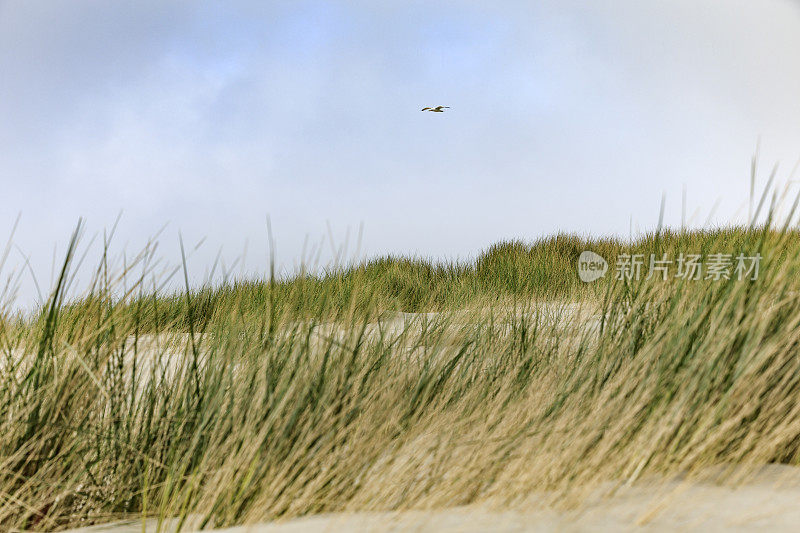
[{"x": 770, "y": 501}]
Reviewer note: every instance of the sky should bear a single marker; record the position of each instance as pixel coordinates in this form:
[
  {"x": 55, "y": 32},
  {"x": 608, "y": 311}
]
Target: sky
[{"x": 201, "y": 119}]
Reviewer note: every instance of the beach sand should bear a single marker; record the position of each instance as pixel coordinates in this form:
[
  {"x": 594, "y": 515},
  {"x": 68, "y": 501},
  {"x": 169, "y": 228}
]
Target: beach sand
[{"x": 769, "y": 500}]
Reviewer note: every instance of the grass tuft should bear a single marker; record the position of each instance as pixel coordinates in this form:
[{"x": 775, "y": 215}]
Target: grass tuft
[{"x": 397, "y": 383}]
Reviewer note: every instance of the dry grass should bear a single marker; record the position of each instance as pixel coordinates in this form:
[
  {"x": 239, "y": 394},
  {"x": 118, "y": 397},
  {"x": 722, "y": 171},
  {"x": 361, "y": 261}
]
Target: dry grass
[{"x": 268, "y": 400}]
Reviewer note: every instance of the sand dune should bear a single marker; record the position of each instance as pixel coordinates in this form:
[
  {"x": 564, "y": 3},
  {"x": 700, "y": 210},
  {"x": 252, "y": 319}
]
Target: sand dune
[{"x": 768, "y": 501}]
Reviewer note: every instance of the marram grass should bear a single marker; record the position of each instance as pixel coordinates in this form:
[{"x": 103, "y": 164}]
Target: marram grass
[{"x": 272, "y": 399}]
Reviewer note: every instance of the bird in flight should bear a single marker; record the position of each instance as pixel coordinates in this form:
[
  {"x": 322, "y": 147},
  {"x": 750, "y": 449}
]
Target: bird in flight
[{"x": 437, "y": 109}]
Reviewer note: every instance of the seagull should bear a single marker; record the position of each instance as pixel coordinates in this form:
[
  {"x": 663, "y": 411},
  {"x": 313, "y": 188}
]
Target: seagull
[{"x": 437, "y": 109}]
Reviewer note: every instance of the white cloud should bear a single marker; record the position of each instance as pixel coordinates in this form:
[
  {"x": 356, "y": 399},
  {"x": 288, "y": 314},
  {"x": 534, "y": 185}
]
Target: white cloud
[{"x": 565, "y": 115}]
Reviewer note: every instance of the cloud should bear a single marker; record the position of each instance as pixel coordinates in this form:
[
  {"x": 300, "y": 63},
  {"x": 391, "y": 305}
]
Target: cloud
[{"x": 565, "y": 115}]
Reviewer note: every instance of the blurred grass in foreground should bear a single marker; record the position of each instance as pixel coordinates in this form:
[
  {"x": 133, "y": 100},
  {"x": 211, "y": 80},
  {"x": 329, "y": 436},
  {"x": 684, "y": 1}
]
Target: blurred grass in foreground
[{"x": 269, "y": 399}]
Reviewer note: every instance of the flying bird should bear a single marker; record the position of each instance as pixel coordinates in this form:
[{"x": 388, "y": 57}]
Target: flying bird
[{"x": 437, "y": 109}]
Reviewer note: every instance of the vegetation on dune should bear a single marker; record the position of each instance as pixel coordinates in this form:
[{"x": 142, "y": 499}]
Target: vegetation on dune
[
  {"x": 259, "y": 400},
  {"x": 543, "y": 269}
]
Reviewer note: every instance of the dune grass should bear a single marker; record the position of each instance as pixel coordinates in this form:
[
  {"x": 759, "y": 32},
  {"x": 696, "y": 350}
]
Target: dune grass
[{"x": 271, "y": 399}]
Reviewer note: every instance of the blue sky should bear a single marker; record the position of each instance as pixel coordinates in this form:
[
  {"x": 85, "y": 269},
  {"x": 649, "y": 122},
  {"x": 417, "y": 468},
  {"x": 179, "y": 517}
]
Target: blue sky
[{"x": 207, "y": 116}]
